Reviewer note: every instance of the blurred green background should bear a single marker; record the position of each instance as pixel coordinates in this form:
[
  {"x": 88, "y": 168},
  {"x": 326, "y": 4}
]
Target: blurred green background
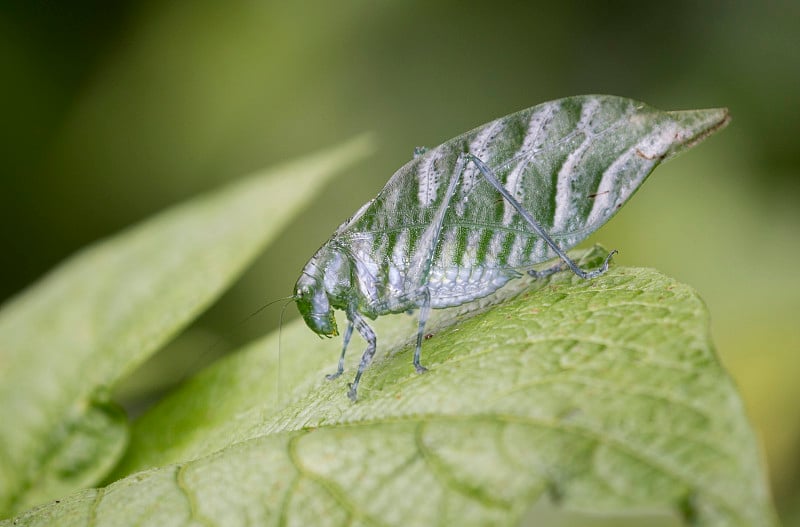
[{"x": 112, "y": 111}]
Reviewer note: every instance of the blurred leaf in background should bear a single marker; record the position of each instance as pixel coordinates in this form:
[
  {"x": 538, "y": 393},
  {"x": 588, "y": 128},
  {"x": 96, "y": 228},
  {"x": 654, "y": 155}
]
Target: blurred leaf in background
[
  {"x": 68, "y": 340},
  {"x": 112, "y": 111}
]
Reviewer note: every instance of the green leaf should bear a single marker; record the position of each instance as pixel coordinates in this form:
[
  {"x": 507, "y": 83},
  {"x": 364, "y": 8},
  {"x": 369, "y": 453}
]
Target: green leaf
[
  {"x": 70, "y": 337},
  {"x": 602, "y": 396}
]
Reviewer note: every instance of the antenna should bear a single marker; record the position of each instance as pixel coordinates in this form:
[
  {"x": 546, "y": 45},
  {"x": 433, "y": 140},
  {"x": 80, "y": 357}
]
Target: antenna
[{"x": 280, "y": 334}]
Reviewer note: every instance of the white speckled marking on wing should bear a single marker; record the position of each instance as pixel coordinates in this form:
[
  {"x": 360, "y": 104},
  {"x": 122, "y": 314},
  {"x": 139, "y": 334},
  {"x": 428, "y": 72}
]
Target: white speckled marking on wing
[
  {"x": 429, "y": 180},
  {"x": 565, "y": 202},
  {"x": 481, "y": 148},
  {"x": 517, "y": 253},
  {"x": 448, "y": 244},
  {"x": 644, "y": 153},
  {"x": 400, "y": 254},
  {"x": 496, "y": 243},
  {"x": 606, "y": 196},
  {"x": 516, "y": 182}
]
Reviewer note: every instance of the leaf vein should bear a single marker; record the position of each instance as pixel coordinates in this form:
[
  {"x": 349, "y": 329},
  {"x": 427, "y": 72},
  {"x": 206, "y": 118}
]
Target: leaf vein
[
  {"x": 445, "y": 476},
  {"x": 331, "y": 487},
  {"x": 190, "y": 499}
]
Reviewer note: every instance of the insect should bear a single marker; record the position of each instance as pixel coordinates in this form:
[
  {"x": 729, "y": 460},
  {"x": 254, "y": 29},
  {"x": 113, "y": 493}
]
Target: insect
[{"x": 459, "y": 221}]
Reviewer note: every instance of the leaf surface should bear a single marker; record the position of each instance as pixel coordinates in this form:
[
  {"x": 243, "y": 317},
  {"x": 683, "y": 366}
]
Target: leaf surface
[
  {"x": 70, "y": 337},
  {"x": 602, "y": 396}
]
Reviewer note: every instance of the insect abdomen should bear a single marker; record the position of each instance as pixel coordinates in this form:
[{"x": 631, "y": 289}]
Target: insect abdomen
[{"x": 453, "y": 286}]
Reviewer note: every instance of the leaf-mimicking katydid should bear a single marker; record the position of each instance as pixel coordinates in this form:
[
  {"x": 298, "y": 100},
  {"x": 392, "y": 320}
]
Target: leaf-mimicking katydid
[{"x": 459, "y": 221}]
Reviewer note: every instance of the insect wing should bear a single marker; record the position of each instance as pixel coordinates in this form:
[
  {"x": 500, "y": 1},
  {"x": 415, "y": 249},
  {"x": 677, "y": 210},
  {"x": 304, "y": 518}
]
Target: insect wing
[{"x": 572, "y": 163}]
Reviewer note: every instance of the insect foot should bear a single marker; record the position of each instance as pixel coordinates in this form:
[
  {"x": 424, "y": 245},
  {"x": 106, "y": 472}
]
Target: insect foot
[
  {"x": 459, "y": 221},
  {"x": 352, "y": 392},
  {"x": 597, "y": 272}
]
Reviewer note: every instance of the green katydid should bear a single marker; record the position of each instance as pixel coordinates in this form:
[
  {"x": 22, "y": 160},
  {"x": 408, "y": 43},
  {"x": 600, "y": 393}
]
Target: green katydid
[{"x": 459, "y": 221}]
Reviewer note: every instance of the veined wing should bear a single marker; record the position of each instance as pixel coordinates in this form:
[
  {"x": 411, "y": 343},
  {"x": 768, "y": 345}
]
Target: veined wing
[{"x": 572, "y": 163}]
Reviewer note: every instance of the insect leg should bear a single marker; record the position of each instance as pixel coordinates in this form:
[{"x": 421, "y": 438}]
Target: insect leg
[
  {"x": 424, "y": 311},
  {"x": 428, "y": 242},
  {"x": 421, "y": 298},
  {"x": 544, "y": 273},
  {"x": 345, "y": 341},
  {"x": 365, "y": 331},
  {"x": 492, "y": 179}
]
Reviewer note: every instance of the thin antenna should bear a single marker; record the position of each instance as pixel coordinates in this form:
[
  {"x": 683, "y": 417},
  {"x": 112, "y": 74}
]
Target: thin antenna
[
  {"x": 280, "y": 333},
  {"x": 189, "y": 370},
  {"x": 262, "y": 308}
]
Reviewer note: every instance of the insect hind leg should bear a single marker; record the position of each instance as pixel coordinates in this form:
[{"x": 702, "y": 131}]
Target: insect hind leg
[
  {"x": 544, "y": 273},
  {"x": 492, "y": 179}
]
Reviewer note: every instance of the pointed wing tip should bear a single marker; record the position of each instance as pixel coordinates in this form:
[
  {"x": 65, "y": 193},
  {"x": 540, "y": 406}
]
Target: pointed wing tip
[
  {"x": 715, "y": 119},
  {"x": 697, "y": 126},
  {"x": 711, "y": 121}
]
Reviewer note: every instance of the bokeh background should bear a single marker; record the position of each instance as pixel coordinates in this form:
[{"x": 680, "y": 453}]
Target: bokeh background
[{"x": 110, "y": 111}]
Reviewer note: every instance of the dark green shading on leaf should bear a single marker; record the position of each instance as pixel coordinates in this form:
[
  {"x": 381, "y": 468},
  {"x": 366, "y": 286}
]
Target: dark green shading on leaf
[
  {"x": 604, "y": 396},
  {"x": 70, "y": 337}
]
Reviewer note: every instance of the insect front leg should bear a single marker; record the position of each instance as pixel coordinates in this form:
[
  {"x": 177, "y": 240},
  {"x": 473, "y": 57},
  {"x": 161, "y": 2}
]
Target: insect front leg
[
  {"x": 345, "y": 341},
  {"x": 492, "y": 179},
  {"x": 366, "y": 332}
]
